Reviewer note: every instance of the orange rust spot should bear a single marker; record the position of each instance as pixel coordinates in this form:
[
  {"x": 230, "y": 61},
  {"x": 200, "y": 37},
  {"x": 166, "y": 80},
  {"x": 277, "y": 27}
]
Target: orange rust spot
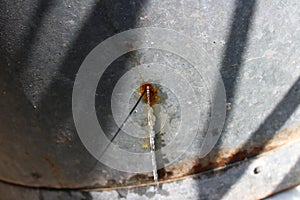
[
  {"x": 163, "y": 174},
  {"x": 26, "y": 153},
  {"x": 139, "y": 178},
  {"x": 112, "y": 183},
  {"x": 143, "y": 179},
  {"x": 37, "y": 130},
  {"x": 153, "y": 93},
  {"x": 52, "y": 165},
  {"x": 217, "y": 159}
]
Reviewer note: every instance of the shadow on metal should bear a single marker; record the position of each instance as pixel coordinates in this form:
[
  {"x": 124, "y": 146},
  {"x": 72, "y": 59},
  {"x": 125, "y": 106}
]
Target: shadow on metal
[
  {"x": 267, "y": 131},
  {"x": 231, "y": 64},
  {"x": 293, "y": 173},
  {"x": 56, "y": 103},
  {"x": 236, "y": 44},
  {"x": 54, "y": 113}
]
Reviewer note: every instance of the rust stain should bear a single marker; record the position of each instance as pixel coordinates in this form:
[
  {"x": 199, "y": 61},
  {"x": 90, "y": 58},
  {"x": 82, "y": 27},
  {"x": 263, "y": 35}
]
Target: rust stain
[
  {"x": 153, "y": 93},
  {"x": 139, "y": 178},
  {"x": 216, "y": 159},
  {"x": 54, "y": 170},
  {"x": 52, "y": 165},
  {"x": 112, "y": 183},
  {"x": 26, "y": 153},
  {"x": 194, "y": 165}
]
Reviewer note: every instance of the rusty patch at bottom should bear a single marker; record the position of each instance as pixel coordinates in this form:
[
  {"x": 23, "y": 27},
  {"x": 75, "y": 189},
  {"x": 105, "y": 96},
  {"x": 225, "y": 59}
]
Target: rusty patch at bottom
[
  {"x": 216, "y": 159},
  {"x": 191, "y": 166},
  {"x": 221, "y": 158}
]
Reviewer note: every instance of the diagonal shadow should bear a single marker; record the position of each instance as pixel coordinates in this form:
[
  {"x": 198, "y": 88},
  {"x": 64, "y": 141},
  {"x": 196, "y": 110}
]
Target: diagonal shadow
[
  {"x": 233, "y": 55},
  {"x": 236, "y": 45},
  {"x": 292, "y": 175},
  {"x": 34, "y": 24},
  {"x": 273, "y": 123},
  {"x": 231, "y": 64},
  {"x": 56, "y": 103},
  {"x": 55, "y": 112},
  {"x": 20, "y": 56},
  {"x": 19, "y": 59},
  {"x": 279, "y": 115}
]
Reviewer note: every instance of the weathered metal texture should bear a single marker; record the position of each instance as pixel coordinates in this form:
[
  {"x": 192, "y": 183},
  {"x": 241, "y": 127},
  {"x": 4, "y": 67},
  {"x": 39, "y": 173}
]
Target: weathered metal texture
[
  {"x": 226, "y": 157},
  {"x": 259, "y": 177},
  {"x": 255, "y": 178},
  {"x": 43, "y": 43}
]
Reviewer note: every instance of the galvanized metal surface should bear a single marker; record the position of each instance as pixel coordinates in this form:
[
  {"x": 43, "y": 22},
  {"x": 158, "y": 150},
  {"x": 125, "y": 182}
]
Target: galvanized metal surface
[
  {"x": 256, "y": 44},
  {"x": 293, "y": 193},
  {"x": 257, "y": 178}
]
